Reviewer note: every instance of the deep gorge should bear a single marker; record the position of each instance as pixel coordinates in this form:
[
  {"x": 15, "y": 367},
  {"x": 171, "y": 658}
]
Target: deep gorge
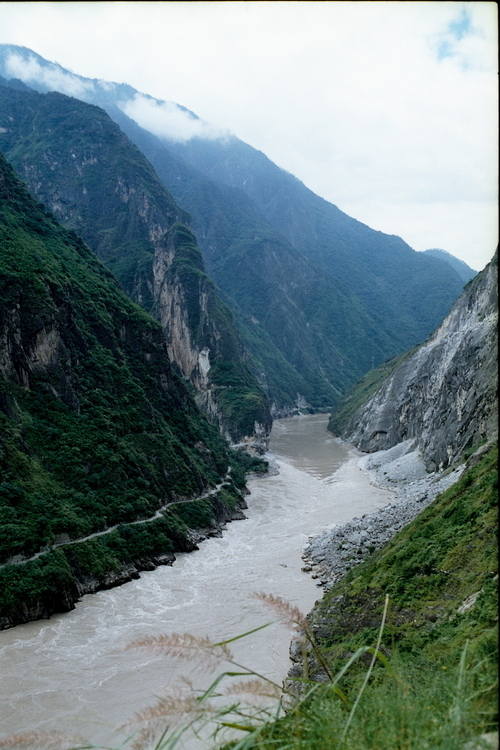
[
  {"x": 144, "y": 352},
  {"x": 99, "y": 682}
]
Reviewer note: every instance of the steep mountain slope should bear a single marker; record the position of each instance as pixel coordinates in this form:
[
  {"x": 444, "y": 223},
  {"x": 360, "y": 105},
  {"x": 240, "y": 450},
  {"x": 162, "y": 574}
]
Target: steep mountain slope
[
  {"x": 309, "y": 336},
  {"x": 96, "y": 428},
  {"x": 409, "y": 292},
  {"x": 378, "y": 297},
  {"x": 77, "y": 162},
  {"x": 443, "y": 396},
  {"x": 202, "y": 341},
  {"x": 465, "y": 272}
]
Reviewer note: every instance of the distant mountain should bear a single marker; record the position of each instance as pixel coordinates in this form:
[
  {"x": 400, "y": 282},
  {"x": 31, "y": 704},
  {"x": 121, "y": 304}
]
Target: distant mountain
[
  {"x": 309, "y": 336},
  {"x": 465, "y": 272},
  {"x": 78, "y": 163},
  {"x": 14, "y": 83},
  {"x": 85, "y": 170},
  {"x": 405, "y": 293},
  {"x": 319, "y": 297},
  {"x": 96, "y": 429}
]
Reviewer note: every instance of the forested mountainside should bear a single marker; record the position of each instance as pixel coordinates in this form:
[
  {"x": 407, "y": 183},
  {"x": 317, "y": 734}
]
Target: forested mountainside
[
  {"x": 96, "y": 429},
  {"x": 76, "y": 161},
  {"x": 442, "y": 396},
  {"x": 465, "y": 272},
  {"x": 307, "y": 334},
  {"x": 104, "y": 189},
  {"x": 319, "y": 297},
  {"x": 393, "y": 281}
]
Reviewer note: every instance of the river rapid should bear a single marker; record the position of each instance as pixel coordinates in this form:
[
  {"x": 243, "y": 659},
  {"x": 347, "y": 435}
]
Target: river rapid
[{"x": 72, "y": 674}]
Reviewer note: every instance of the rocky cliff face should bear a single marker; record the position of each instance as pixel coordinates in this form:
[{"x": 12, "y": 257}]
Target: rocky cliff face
[
  {"x": 202, "y": 341},
  {"x": 444, "y": 395},
  {"x": 82, "y": 167}
]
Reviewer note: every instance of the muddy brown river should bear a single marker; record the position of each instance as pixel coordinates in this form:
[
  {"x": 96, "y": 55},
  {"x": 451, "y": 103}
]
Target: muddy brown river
[{"x": 72, "y": 674}]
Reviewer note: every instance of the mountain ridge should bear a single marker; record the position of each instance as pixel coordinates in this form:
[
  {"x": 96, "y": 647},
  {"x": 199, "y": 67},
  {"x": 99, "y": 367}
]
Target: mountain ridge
[
  {"x": 378, "y": 286},
  {"x": 76, "y": 161},
  {"x": 465, "y": 272},
  {"x": 97, "y": 430}
]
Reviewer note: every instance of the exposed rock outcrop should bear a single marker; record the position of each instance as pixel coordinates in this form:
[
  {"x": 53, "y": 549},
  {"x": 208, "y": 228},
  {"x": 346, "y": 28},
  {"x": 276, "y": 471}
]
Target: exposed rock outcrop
[
  {"x": 444, "y": 395},
  {"x": 203, "y": 343},
  {"x": 400, "y": 469},
  {"x": 82, "y": 167}
]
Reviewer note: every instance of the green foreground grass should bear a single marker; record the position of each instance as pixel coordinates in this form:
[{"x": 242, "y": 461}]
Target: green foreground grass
[
  {"x": 401, "y": 654},
  {"x": 397, "y": 656}
]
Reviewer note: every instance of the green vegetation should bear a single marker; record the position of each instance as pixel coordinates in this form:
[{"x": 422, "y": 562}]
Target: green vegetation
[
  {"x": 95, "y": 428},
  {"x": 307, "y": 334},
  {"x": 80, "y": 165},
  {"x": 400, "y": 654},
  {"x": 196, "y": 514},
  {"x": 49, "y": 583},
  {"x": 446, "y": 554},
  {"x": 435, "y": 681}
]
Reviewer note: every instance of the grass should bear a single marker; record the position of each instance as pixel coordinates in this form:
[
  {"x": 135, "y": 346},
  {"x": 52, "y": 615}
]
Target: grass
[{"x": 386, "y": 665}]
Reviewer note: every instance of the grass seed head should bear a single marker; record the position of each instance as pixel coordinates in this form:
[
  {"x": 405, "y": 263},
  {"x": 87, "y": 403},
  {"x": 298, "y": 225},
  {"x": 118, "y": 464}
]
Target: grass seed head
[
  {"x": 40, "y": 740},
  {"x": 289, "y": 614},
  {"x": 186, "y": 646}
]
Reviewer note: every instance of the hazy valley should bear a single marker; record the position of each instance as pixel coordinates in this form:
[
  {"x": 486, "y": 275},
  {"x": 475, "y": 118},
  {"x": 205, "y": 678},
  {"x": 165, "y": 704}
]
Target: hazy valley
[{"x": 161, "y": 302}]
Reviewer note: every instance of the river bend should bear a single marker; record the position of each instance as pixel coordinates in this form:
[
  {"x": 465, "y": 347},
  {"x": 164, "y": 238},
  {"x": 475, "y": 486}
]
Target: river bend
[{"x": 71, "y": 673}]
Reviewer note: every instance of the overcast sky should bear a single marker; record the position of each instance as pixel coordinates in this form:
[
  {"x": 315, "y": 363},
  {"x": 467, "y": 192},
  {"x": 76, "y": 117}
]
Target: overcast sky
[{"x": 387, "y": 109}]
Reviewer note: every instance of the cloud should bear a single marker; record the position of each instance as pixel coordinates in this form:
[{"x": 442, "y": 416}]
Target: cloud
[
  {"x": 50, "y": 75},
  {"x": 463, "y": 38},
  {"x": 168, "y": 120},
  {"x": 164, "y": 119},
  {"x": 387, "y": 109}
]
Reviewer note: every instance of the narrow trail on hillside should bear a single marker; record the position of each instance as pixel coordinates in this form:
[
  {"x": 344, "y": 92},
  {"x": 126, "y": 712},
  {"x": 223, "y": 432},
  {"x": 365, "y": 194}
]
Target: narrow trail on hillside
[
  {"x": 72, "y": 672},
  {"x": 157, "y": 514}
]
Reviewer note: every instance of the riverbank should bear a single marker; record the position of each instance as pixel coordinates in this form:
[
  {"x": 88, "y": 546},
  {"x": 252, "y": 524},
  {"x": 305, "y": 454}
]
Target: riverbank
[
  {"x": 72, "y": 670},
  {"x": 56, "y": 579},
  {"x": 64, "y": 540},
  {"x": 401, "y": 470},
  {"x": 428, "y": 601}
]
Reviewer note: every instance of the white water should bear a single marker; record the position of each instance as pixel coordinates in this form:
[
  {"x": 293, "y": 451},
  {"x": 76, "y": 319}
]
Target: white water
[{"x": 72, "y": 674}]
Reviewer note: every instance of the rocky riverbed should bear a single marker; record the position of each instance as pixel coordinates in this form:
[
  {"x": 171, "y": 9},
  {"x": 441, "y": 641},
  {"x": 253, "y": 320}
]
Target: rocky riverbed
[
  {"x": 330, "y": 555},
  {"x": 401, "y": 469}
]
